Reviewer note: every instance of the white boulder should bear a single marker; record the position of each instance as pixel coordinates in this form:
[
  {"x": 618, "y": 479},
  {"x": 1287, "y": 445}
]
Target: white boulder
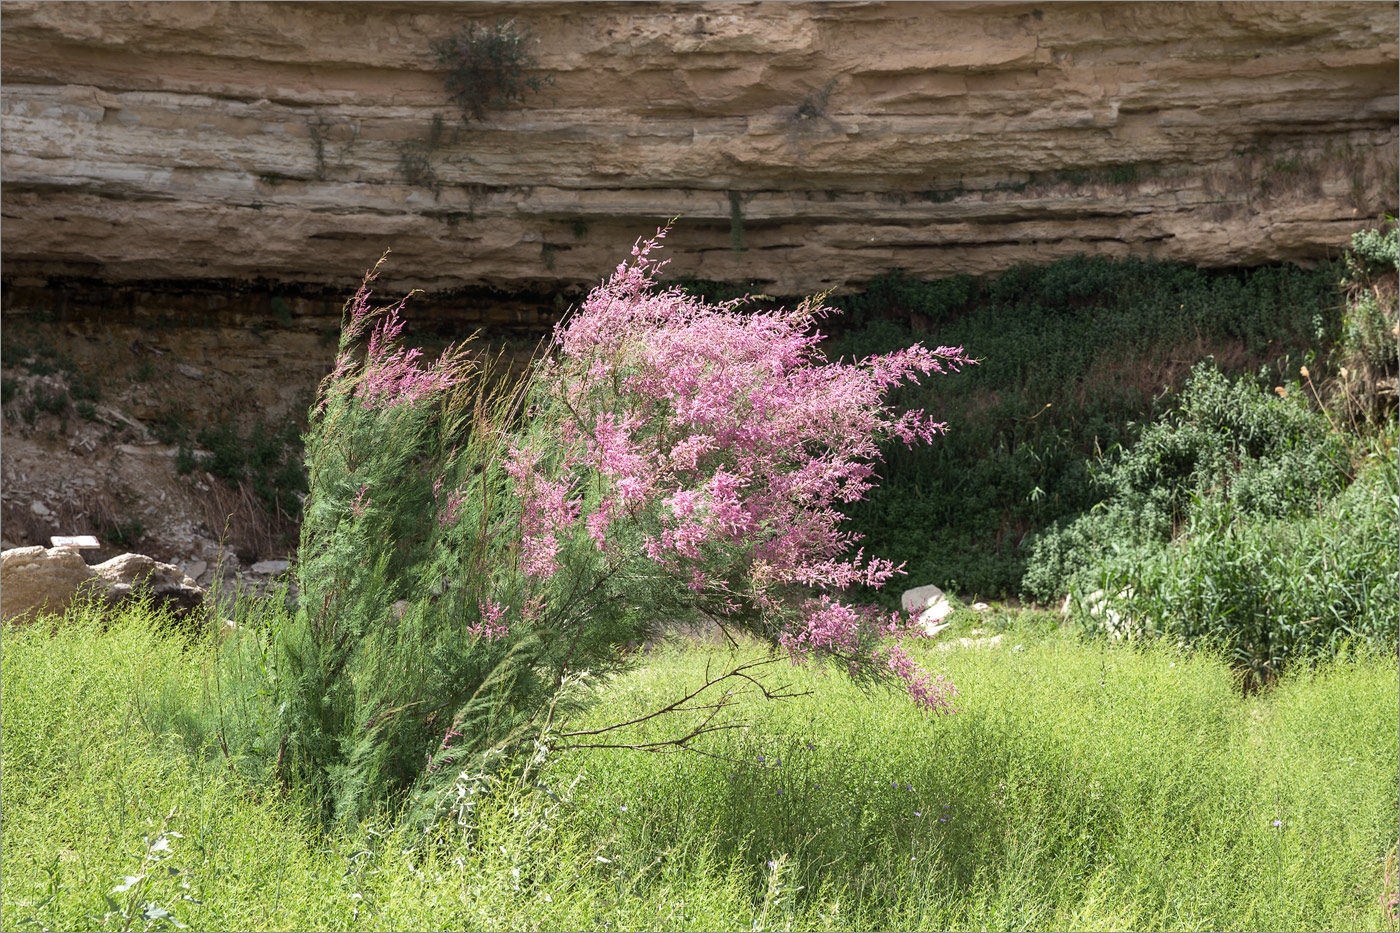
[
  {"x": 932, "y": 607},
  {"x": 126, "y": 574}
]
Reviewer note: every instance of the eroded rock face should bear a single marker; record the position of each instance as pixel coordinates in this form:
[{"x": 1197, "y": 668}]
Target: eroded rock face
[
  {"x": 804, "y": 145},
  {"x": 162, "y": 160}
]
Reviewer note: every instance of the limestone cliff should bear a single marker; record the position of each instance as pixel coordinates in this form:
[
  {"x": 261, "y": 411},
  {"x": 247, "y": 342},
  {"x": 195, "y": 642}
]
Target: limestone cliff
[{"x": 803, "y": 145}]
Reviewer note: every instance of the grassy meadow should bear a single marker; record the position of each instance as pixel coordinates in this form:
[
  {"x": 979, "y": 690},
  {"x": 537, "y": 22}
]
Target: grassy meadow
[
  {"x": 1082, "y": 785},
  {"x": 1233, "y": 763}
]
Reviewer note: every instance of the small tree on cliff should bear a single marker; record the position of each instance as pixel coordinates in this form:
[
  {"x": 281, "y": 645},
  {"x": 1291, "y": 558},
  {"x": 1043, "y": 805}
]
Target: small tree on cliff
[
  {"x": 488, "y": 67},
  {"x": 468, "y": 550}
]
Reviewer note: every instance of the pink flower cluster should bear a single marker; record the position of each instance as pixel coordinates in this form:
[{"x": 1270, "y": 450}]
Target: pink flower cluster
[
  {"x": 830, "y": 627},
  {"x": 452, "y": 508},
  {"x": 453, "y": 733},
  {"x": 493, "y": 625},
  {"x": 934, "y": 694},
  {"x": 391, "y": 375},
  {"x": 361, "y": 503},
  {"x": 549, "y": 508},
  {"x": 734, "y": 423},
  {"x": 728, "y": 438}
]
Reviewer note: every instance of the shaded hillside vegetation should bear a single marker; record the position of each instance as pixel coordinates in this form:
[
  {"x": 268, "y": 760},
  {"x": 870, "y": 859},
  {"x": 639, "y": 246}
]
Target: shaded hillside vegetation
[{"x": 1076, "y": 357}]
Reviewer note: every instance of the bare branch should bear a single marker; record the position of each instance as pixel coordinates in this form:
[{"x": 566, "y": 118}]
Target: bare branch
[
  {"x": 672, "y": 706},
  {"x": 685, "y": 704}
]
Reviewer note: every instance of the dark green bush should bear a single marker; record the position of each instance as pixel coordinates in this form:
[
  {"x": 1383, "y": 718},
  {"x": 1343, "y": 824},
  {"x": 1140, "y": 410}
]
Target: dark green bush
[
  {"x": 83, "y": 387},
  {"x": 1269, "y": 453},
  {"x": 716, "y": 292},
  {"x": 1233, "y": 444},
  {"x": 487, "y": 67},
  {"x": 1075, "y": 355},
  {"x": 1374, "y": 251},
  {"x": 938, "y": 300},
  {"x": 55, "y": 402},
  {"x": 1363, "y": 392},
  {"x": 1271, "y": 590},
  {"x": 122, "y": 534},
  {"x": 267, "y": 458},
  {"x": 1233, "y": 522},
  {"x": 171, "y": 426}
]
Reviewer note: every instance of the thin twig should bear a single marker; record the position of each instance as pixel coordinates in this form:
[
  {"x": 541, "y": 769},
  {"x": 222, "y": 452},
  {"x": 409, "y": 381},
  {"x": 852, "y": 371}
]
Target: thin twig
[{"x": 679, "y": 705}]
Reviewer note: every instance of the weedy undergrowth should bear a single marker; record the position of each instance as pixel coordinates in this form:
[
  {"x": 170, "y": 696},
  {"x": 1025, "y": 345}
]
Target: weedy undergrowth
[
  {"x": 1261, "y": 523},
  {"x": 1076, "y": 357},
  {"x": 1362, "y": 392}
]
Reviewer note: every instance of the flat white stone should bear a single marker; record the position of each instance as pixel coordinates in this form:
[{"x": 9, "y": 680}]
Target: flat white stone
[{"x": 78, "y": 541}]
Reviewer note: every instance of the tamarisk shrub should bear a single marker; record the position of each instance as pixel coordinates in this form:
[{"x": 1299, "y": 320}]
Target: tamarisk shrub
[{"x": 471, "y": 546}]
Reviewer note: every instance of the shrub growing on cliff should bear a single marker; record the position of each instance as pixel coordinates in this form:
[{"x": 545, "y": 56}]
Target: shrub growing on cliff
[
  {"x": 487, "y": 67},
  {"x": 472, "y": 554}
]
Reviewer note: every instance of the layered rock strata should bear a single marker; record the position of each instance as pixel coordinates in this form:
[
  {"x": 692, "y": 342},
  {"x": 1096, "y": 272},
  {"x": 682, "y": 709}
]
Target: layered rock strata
[{"x": 805, "y": 146}]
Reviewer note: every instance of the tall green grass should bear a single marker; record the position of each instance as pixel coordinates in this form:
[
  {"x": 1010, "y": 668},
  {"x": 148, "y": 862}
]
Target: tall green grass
[{"x": 1081, "y": 786}]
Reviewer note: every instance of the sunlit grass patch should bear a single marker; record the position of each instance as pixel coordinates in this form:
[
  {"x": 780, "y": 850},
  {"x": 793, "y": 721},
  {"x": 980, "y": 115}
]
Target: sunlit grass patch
[{"x": 1080, "y": 786}]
